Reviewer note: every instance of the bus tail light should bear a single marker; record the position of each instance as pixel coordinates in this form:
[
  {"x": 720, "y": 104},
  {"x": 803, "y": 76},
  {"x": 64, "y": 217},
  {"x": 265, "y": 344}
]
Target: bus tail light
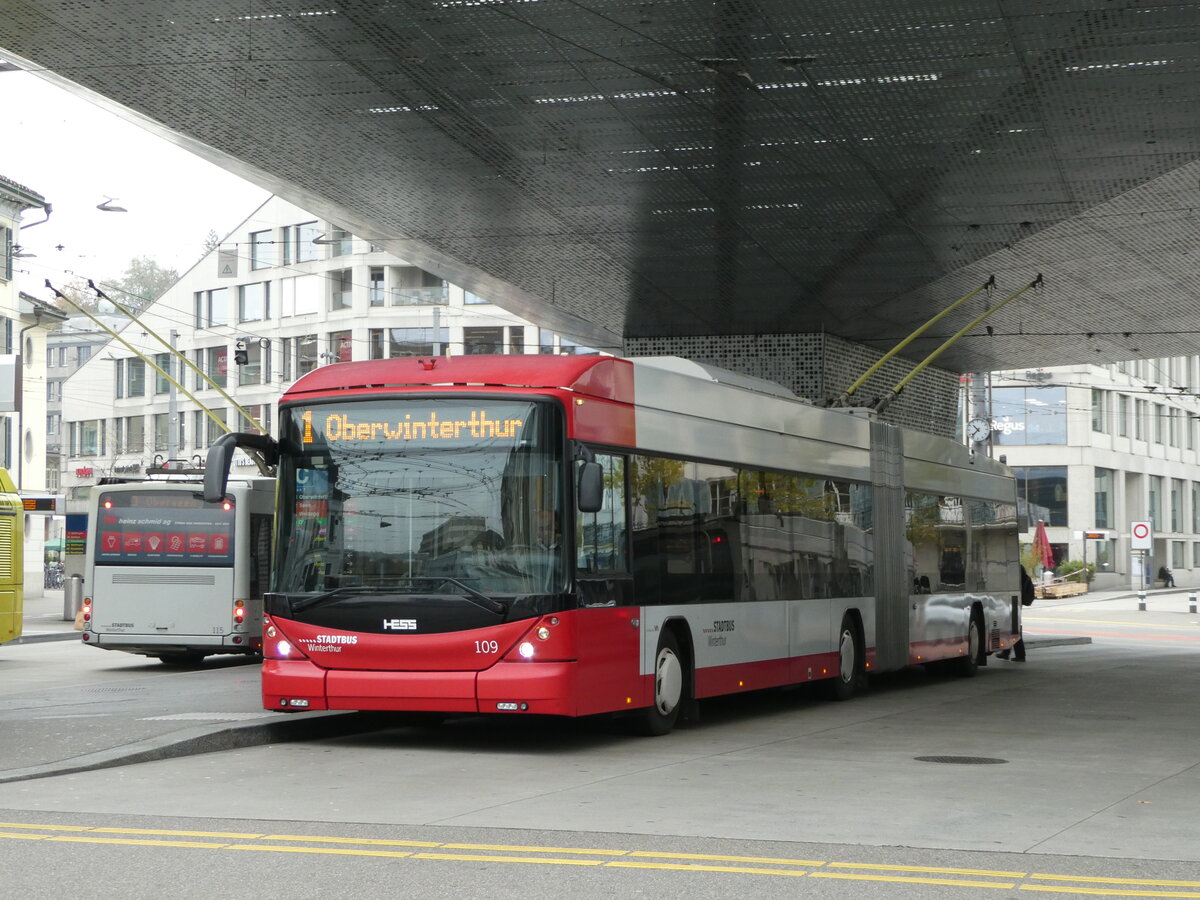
[
  {"x": 239, "y": 613},
  {"x": 87, "y": 609}
]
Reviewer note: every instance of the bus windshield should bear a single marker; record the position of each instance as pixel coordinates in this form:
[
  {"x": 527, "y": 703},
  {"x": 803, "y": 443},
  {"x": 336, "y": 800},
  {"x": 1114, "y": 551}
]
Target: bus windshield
[
  {"x": 421, "y": 495},
  {"x": 163, "y": 528}
]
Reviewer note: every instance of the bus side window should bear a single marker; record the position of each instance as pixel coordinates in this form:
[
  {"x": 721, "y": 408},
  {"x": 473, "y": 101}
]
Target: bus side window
[{"x": 601, "y": 538}]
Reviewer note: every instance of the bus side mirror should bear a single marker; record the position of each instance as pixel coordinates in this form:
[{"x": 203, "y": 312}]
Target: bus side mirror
[
  {"x": 590, "y": 491},
  {"x": 216, "y": 468},
  {"x": 220, "y": 456}
]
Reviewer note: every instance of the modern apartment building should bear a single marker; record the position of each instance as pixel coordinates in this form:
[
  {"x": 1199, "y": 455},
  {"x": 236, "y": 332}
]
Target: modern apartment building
[
  {"x": 1098, "y": 447},
  {"x": 284, "y": 293}
]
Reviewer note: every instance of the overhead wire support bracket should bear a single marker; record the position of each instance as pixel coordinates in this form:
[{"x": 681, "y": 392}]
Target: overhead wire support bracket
[
  {"x": 987, "y": 285},
  {"x": 886, "y": 400}
]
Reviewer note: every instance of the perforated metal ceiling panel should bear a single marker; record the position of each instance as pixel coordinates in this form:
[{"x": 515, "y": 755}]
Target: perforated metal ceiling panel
[{"x": 649, "y": 167}]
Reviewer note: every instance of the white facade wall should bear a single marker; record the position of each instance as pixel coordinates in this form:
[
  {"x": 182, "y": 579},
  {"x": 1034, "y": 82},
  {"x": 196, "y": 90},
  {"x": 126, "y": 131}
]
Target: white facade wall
[
  {"x": 1102, "y": 431},
  {"x": 94, "y": 416}
]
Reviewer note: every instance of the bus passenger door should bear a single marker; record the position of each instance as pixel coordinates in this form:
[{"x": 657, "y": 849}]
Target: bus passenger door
[{"x": 609, "y": 643}]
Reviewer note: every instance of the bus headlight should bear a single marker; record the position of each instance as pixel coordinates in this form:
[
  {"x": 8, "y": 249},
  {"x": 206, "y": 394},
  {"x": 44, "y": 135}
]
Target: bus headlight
[{"x": 525, "y": 649}]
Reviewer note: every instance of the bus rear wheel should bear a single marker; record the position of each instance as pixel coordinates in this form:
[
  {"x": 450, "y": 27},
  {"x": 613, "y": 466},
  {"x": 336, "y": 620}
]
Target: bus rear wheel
[
  {"x": 670, "y": 681},
  {"x": 968, "y": 664},
  {"x": 191, "y": 658},
  {"x": 845, "y": 680}
]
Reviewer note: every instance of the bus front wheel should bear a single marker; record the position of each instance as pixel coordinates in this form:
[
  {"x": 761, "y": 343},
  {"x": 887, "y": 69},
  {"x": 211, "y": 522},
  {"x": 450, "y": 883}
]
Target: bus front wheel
[{"x": 670, "y": 680}]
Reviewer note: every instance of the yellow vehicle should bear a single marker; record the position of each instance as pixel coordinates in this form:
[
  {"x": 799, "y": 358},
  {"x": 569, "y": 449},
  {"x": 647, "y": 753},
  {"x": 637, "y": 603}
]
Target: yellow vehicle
[{"x": 12, "y": 564}]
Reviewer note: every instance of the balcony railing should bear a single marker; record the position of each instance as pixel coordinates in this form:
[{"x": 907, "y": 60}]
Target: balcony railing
[{"x": 422, "y": 296}]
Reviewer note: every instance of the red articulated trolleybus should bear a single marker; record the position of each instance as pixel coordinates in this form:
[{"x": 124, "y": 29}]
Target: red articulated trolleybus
[{"x": 575, "y": 535}]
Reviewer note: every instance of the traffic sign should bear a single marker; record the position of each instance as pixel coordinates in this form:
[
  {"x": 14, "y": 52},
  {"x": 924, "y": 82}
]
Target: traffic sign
[{"x": 1141, "y": 536}]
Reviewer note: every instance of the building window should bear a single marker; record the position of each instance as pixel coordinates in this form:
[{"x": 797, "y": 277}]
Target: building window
[
  {"x": 1123, "y": 415},
  {"x": 1177, "y": 555},
  {"x": 545, "y": 341},
  {"x": 254, "y": 302},
  {"x": 1173, "y": 426},
  {"x": 378, "y": 349},
  {"x": 137, "y": 378},
  {"x": 1141, "y": 408},
  {"x": 416, "y": 287},
  {"x": 161, "y": 384},
  {"x": 516, "y": 339},
  {"x": 417, "y": 341},
  {"x": 1104, "y": 495},
  {"x": 119, "y": 378},
  {"x": 470, "y": 299},
  {"x": 83, "y": 354},
  {"x": 217, "y": 367},
  {"x": 341, "y": 241},
  {"x": 300, "y": 295},
  {"x": 212, "y": 307},
  {"x": 376, "y": 289},
  {"x": 1099, "y": 419},
  {"x": 262, "y": 250},
  {"x": 1176, "y": 504},
  {"x": 162, "y": 431},
  {"x": 1159, "y": 419},
  {"x": 87, "y": 438},
  {"x": 482, "y": 340},
  {"x": 260, "y": 413},
  {"x": 303, "y": 234},
  {"x": 341, "y": 346},
  {"x": 306, "y": 354},
  {"x": 214, "y": 429},
  {"x": 131, "y": 435},
  {"x": 53, "y": 420},
  {"x": 1042, "y": 493},
  {"x": 341, "y": 289},
  {"x": 1196, "y": 507}
]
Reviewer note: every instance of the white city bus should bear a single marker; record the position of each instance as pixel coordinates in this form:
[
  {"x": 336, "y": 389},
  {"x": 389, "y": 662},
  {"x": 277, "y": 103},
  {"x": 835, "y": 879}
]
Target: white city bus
[{"x": 173, "y": 577}]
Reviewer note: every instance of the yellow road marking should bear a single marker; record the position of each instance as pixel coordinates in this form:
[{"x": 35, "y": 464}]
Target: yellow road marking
[
  {"x": 215, "y": 834},
  {"x": 330, "y": 851},
  {"x": 633, "y": 859},
  {"x": 926, "y": 869},
  {"x": 374, "y": 842},
  {"x": 513, "y": 849},
  {"x": 694, "y": 867},
  {"x": 509, "y": 859},
  {"x": 744, "y": 859},
  {"x": 1101, "y": 880},
  {"x": 80, "y": 839},
  {"x": 898, "y": 879},
  {"x": 1102, "y": 892}
]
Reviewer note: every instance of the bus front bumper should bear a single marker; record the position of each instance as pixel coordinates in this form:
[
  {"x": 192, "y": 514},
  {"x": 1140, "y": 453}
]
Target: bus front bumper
[{"x": 541, "y": 688}]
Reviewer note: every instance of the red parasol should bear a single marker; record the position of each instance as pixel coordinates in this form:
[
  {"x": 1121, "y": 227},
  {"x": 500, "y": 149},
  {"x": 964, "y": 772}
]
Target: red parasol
[{"x": 1041, "y": 546}]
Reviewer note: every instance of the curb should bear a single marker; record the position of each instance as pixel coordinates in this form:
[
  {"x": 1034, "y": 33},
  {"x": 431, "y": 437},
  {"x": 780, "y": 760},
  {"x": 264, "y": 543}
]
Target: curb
[
  {"x": 1042, "y": 643},
  {"x": 201, "y": 739},
  {"x": 44, "y": 636}
]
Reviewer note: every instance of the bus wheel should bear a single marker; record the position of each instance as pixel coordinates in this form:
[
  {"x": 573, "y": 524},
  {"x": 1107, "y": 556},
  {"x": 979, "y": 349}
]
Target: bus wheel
[
  {"x": 968, "y": 664},
  {"x": 181, "y": 659},
  {"x": 669, "y": 681},
  {"x": 843, "y": 684}
]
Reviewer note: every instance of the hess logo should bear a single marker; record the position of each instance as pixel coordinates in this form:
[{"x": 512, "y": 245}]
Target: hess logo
[{"x": 399, "y": 624}]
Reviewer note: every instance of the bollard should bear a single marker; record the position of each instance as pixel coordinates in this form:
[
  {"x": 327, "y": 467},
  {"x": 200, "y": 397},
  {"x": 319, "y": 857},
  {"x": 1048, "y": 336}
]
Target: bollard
[
  {"x": 72, "y": 597},
  {"x": 1141, "y": 601},
  {"x": 1192, "y": 602}
]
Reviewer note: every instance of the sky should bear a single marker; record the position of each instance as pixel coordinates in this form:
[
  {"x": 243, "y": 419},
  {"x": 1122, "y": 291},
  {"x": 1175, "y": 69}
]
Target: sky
[{"x": 76, "y": 155}]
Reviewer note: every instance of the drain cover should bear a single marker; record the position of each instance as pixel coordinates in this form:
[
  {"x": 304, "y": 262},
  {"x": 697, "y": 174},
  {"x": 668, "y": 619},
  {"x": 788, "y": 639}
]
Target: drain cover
[{"x": 963, "y": 760}]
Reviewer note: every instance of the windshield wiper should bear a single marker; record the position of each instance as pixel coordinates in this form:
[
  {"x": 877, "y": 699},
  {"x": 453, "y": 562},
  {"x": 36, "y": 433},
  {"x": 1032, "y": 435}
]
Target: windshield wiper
[
  {"x": 479, "y": 598},
  {"x": 322, "y": 599}
]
